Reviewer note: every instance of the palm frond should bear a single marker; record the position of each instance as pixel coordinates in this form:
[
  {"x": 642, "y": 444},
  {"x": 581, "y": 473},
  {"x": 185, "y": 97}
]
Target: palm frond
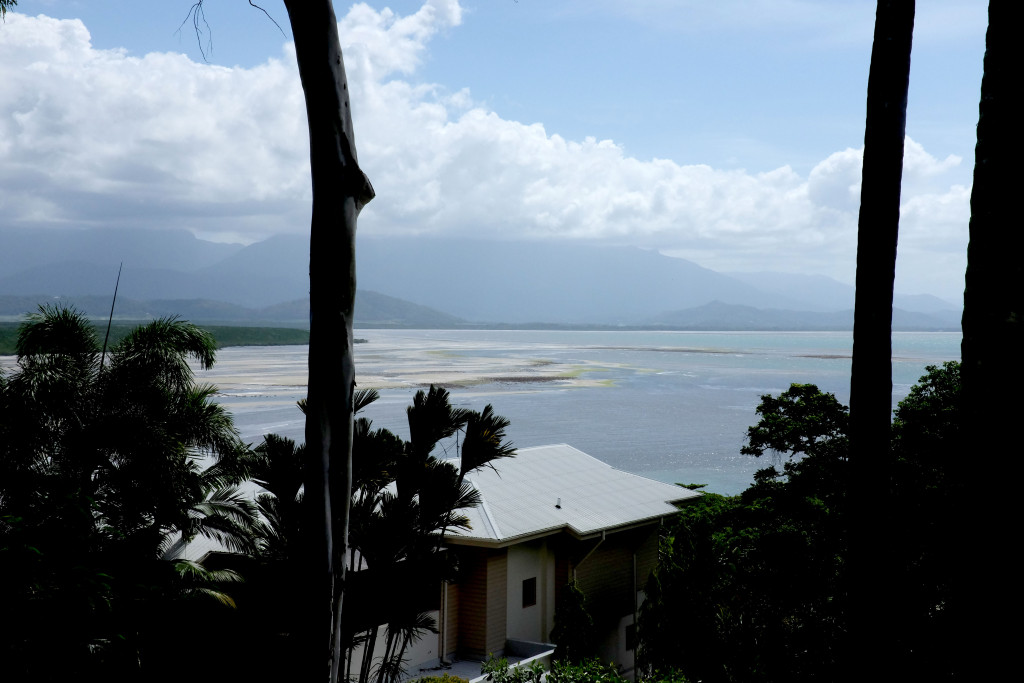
[
  {"x": 56, "y": 330},
  {"x": 276, "y": 466},
  {"x": 432, "y": 418},
  {"x": 484, "y": 440},
  {"x": 199, "y": 581},
  {"x": 362, "y": 398}
]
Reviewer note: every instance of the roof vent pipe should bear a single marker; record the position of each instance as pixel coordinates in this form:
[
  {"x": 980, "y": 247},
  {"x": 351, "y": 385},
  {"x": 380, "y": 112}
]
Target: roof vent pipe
[{"x": 559, "y": 504}]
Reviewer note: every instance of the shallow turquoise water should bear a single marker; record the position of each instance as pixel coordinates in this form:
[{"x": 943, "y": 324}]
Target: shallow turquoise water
[{"x": 673, "y": 406}]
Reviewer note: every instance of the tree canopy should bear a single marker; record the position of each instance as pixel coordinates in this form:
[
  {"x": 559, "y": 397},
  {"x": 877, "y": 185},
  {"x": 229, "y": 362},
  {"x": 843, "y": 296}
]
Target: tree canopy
[
  {"x": 406, "y": 496},
  {"x": 756, "y": 587},
  {"x": 108, "y": 464}
]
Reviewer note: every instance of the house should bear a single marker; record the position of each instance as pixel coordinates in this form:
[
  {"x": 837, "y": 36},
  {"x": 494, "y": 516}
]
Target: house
[{"x": 548, "y": 515}]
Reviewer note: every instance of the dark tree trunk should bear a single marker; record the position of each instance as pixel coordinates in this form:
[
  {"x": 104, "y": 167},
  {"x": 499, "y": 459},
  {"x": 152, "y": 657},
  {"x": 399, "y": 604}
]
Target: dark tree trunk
[
  {"x": 871, "y": 377},
  {"x": 992, "y": 367},
  {"x": 340, "y": 190}
]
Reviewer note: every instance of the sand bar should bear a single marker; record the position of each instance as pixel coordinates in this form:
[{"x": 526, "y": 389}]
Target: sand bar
[{"x": 395, "y": 363}]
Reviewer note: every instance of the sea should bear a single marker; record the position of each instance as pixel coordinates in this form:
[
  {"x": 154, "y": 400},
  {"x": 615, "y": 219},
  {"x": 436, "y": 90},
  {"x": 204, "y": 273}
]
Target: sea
[{"x": 672, "y": 406}]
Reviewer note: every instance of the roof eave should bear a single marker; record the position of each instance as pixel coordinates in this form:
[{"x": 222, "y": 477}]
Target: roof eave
[{"x": 480, "y": 542}]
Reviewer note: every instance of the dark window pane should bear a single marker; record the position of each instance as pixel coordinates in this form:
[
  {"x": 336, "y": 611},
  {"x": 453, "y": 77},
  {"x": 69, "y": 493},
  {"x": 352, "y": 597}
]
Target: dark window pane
[{"x": 530, "y": 592}]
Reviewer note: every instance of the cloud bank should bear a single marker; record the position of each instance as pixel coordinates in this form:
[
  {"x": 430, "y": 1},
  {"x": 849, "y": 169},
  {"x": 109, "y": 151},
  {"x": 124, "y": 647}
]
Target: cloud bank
[{"x": 92, "y": 137}]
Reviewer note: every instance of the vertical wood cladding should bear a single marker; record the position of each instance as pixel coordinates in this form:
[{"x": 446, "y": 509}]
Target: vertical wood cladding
[
  {"x": 646, "y": 554},
  {"x": 497, "y": 599},
  {"x": 472, "y": 608},
  {"x": 481, "y": 602},
  {"x": 606, "y": 577},
  {"x": 452, "y": 620}
]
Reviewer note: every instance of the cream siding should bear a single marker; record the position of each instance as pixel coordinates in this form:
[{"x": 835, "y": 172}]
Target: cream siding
[
  {"x": 531, "y": 560},
  {"x": 497, "y": 609}
]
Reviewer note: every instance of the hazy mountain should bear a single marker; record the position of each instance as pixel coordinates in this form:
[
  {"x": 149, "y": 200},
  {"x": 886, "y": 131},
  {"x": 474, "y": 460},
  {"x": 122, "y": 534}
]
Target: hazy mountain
[
  {"x": 264, "y": 273},
  {"x": 172, "y": 249},
  {"x": 517, "y": 282},
  {"x": 721, "y": 316},
  {"x": 926, "y": 303},
  {"x": 474, "y": 280},
  {"x": 821, "y": 293},
  {"x": 372, "y": 310}
]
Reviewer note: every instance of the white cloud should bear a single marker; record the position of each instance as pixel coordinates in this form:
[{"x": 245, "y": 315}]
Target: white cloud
[
  {"x": 378, "y": 44},
  {"x": 95, "y": 137}
]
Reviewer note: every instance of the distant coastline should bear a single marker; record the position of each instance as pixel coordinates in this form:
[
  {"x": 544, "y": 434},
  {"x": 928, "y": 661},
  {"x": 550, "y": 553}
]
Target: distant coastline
[
  {"x": 225, "y": 335},
  {"x": 270, "y": 335}
]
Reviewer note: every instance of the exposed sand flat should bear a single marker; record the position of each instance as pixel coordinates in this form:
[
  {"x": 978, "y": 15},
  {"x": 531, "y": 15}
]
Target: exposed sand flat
[
  {"x": 396, "y": 363},
  {"x": 392, "y": 363}
]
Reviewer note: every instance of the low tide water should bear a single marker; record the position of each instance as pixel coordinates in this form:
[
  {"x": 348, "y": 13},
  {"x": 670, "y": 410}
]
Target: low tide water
[{"x": 673, "y": 406}]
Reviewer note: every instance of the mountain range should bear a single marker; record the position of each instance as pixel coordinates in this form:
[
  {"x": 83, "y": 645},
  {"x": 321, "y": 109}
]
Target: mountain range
[{"x": 424, "y": 282}]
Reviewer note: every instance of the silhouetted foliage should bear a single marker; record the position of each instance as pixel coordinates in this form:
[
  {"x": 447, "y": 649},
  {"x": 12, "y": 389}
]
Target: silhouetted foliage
[
  {"x": 405, "y": 498},
  {"x": 573, "y": 632},
  {"x": 101, "y": 483},
  {"x": 755, "y": 587}
]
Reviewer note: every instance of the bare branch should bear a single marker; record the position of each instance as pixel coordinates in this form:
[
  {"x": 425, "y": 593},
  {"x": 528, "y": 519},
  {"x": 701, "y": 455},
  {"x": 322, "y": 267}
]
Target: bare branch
[
  {"x": 269, "y": 17},
  {"x": 198, "y": 17}
]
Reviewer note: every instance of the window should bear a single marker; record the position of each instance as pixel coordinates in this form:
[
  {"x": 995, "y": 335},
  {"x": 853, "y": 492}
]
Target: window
[{"x": 530, "y": 592}]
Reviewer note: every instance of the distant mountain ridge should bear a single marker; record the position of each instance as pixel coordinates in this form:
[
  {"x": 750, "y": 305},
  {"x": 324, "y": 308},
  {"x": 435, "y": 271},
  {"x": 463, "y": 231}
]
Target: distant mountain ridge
[
  {"x": 464, "y": 281},
  {"x": 720, "y": 316},
  {"x": 372, "y": 310},
  {"x": 820, "y": 293}
]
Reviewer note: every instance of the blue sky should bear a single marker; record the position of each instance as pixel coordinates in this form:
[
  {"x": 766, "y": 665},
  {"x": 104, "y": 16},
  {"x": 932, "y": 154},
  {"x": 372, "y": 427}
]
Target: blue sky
[{"x": 726, "y": 132}]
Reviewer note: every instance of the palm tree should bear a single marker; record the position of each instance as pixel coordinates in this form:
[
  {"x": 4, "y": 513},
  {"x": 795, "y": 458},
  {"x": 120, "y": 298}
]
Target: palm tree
[
  {"x": 404, "y": 499},
  {"x": 399, "y": 529},
  {"x": 100, "y": 474}
]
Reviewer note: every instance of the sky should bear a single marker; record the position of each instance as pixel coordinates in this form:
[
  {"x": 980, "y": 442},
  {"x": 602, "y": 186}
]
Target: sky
[{"x": 728, "y": 133}]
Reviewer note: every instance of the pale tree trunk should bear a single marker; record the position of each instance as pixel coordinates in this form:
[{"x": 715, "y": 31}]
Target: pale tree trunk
[
  {"x": 985, "y": 582},
  {"x": 871, "y": 377},
  {"x": 340, "y": 190}
]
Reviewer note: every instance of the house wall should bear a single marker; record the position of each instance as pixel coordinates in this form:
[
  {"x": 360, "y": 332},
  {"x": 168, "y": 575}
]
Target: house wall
[
  {"x": 497, "y": 608},
  {"x": 646, "y": 553},
  {"x": 606, "y": 577},
  {"x": 450, "y": 615},
  {"x": 472, "y": 603},
  {"x": 485, "y": 608},
  {"x": 525, "y": 561},
  {"x": 481, "y": 605},
  {"x": 613, "y": 647}
]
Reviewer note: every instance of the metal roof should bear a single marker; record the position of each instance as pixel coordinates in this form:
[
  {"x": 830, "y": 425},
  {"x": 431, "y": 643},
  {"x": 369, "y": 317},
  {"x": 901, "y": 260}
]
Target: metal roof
[{"x": 522, "y": 498}]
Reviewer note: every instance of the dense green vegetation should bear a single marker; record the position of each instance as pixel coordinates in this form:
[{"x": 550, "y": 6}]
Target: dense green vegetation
[
  {"x": 102, "y": 474},
  {"x": 101, "y": 477},
  {"x": 590, "y": 670},
  {"x": 110, "y": 461},
  {"x": 223, "y": 335},
  {"x": 762, "y": 577}
]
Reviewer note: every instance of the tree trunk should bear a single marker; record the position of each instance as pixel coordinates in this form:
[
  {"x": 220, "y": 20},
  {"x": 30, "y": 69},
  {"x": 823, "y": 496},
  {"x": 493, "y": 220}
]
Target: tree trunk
[
  {"x": 992, "y": 371},
  {"x": 871, "y": 377},
  {"x": 340, "y": 190}
]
